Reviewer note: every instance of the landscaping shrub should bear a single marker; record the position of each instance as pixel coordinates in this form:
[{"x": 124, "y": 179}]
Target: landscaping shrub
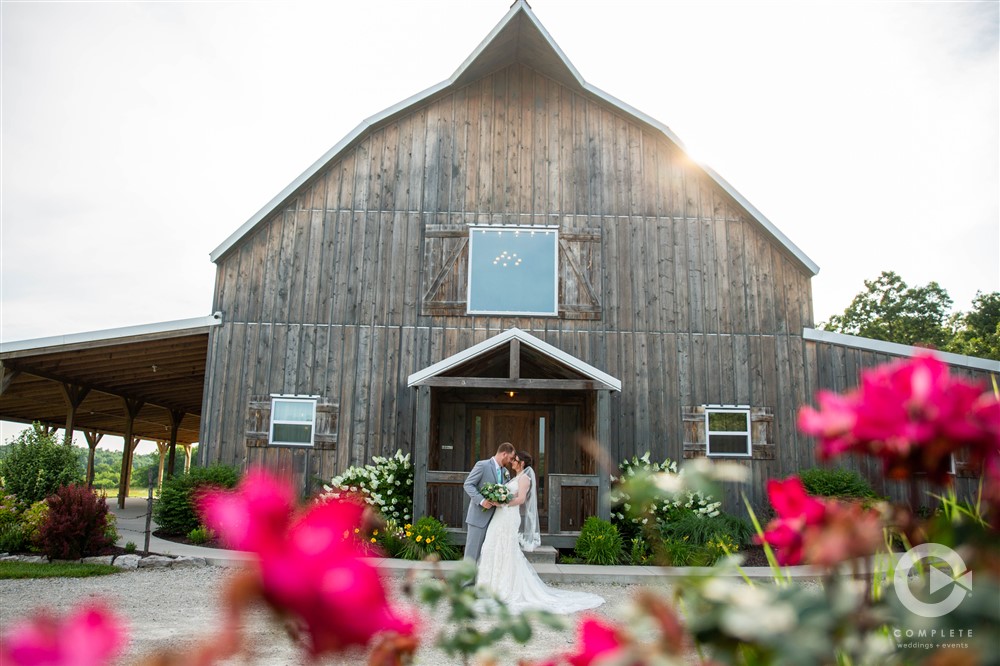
[
  {"x": 176, "y": 509},
  {"x": 390, "y": 538},
  {"x": 200, "y": 534},
  {"x": 599, "y": 542},
  {"x": 630, "y": 518},
  {"x": 12, "y": 537},
  {"x": 37, "y": 464},
  {"x": 639, "y": 552},
  {"x": 130, "y": 548},
  {"x": 837, "y": 482},
  {"x": 427, "y": 536},
  {"x": 683, "y": 553},
  {"x": 35, "y": 516},
  {"x": 386, "y": 484},
  {"x": 76, "y": 525}
]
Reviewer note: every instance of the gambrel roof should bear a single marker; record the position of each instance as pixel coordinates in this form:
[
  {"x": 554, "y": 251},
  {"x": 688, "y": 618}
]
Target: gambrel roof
[{"x": 518, "y": 38}]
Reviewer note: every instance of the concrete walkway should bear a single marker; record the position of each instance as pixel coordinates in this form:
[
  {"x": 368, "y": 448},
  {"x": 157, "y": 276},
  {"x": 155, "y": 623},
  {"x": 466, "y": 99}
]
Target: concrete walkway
[{"x": 132, "y": 525}]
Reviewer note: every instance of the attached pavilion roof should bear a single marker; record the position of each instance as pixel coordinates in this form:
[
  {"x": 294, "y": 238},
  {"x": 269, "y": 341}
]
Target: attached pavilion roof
[
  {"x": 514, "y": 359},
  {"x": 518, "y": 37},
  {"x": 161, "y": 366}
]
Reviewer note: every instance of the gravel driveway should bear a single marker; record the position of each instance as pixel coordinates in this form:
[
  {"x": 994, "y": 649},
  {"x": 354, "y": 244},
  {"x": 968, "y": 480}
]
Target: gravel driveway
[{"x": 171, "y": 607}]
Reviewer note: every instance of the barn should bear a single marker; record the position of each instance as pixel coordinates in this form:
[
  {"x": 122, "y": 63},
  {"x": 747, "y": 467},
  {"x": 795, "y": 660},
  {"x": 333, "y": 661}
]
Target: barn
[{"x": 510, "y": 255}]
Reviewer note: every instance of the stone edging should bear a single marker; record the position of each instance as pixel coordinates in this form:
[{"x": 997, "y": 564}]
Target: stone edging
[{"x": 120, "y": 561}]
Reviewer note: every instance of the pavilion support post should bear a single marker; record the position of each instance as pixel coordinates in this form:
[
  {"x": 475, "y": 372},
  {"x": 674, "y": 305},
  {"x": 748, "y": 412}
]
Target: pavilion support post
[
  {"x": 161, "y": 448},
  {"x": 132, "y": 408},
  {"x": 74, "y": 396},
  {"x": 93, "y": 438},
  {"x": 187, "y": 458},
  {"x": 176, "y": 416},
  {"x": 602, "y": 431},
  {"x": 421, "y": 451},
  {"x": 7, "y": 377},
  {"x": 131, "y": 458}
]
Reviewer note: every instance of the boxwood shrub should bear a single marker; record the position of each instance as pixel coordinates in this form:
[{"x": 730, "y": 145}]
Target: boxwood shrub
[{"x": 176, "y": 509}]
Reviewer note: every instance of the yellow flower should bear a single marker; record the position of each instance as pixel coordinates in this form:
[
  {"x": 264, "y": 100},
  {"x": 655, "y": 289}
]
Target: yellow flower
[
  {"x": 429, "y": 539},
  {"x": 419, "y": 538},
  {"x": 408, "y": 535},
  {"x": 407, "y": 526},
  {"x": 375, "y": 532},
  {"x": 356, "y": 530},
  {"x": 374, "y": 539}
]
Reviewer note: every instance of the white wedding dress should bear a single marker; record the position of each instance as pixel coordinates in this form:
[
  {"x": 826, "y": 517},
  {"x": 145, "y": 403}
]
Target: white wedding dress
[{"x": 506, "y": 573}]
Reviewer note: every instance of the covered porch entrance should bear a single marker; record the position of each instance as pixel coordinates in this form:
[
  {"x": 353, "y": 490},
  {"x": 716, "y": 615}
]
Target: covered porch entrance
[{"x": 517, "y": 388}]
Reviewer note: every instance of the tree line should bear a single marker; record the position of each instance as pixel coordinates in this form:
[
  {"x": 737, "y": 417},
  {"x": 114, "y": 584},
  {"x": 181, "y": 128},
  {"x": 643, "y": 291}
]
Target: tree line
[{"x": 891, "y": 310}]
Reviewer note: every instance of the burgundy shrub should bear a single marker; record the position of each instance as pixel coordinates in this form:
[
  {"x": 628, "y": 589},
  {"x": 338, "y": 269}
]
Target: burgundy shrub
[{"x": 76, "y": 525}]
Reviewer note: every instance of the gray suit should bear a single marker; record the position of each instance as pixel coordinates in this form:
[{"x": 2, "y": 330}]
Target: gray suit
[{"x": 478, "y": 519}]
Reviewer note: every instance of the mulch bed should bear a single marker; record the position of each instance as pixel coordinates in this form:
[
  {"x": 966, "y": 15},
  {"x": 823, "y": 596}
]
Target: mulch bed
[{"x": 182, "y": 538}]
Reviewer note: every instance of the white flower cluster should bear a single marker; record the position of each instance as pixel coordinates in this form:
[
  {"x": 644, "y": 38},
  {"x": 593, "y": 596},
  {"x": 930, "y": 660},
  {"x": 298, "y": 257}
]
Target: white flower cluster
[
  {"x": 671, "y": 480},
  {"x": 386, "y": 484}
]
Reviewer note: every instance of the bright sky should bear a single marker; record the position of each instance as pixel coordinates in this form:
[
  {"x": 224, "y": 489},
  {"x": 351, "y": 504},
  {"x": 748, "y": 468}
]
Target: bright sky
[{"x": 137, "y": 136}]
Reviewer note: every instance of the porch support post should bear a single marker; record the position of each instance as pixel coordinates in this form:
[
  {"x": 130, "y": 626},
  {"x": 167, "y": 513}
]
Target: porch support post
[
  {"x": 187, "y": 457},
  {"x": 132, "y": 408},
  {"x": 602, "y": 431},
  {"x": 421, "y": 451},
  {"x": 73, "y": 395},
  {"x": 175, "y": 424},
  {"x": 161, "y": 448},
  {"x": 93, "y": 439}
]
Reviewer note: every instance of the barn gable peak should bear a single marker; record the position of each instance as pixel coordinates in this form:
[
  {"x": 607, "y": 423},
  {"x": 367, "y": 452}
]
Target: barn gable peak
[{"x": 519, "y": 37}]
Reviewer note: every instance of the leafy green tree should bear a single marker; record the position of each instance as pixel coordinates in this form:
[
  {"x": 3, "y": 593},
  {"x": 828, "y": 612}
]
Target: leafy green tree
[
  {"x": 977, "y": 332},
  {"x": 36, "y": 464},
  {"x": 891, "y": 310}
]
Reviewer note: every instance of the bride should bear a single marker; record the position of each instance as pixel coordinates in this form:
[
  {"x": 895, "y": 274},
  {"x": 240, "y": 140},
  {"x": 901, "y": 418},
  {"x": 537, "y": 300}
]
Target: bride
[{"x": 503, "y": 569}]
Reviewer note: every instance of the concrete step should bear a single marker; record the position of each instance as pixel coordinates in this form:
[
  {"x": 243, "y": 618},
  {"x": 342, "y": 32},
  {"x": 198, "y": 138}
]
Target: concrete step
[{"x": 543, "y": 555}]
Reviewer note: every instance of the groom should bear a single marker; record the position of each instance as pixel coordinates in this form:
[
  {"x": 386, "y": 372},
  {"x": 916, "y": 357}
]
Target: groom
[{"x": 491, "y": 470}]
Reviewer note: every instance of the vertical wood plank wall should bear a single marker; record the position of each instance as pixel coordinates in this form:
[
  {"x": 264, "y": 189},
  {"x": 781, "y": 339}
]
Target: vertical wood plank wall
[{"x": 699, "y": 303}]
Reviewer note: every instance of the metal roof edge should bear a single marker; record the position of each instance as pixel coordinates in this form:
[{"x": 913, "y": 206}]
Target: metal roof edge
[
  {"x": 111, "y": 334},
  {"x": 897, "y": 349},
  {"x": 501, "y": 338}
]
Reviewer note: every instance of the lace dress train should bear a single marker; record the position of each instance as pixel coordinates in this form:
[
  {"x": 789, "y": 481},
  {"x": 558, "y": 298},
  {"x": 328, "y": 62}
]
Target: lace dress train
[{"x": 505, "y": 572}]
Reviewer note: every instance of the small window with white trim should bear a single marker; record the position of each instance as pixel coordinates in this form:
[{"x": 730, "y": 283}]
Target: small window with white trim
[
  {"x": 293, "y": 420},
  {"x": 513, "y": 270},
  {"x": 727, "y": 431}
]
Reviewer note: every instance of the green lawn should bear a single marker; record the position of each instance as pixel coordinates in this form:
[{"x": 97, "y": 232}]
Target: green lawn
[{"x": 11, "y": 570}]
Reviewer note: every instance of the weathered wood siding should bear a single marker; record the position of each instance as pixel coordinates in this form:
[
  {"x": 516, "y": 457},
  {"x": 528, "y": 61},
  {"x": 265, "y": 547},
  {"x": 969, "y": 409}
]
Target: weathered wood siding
[{"x": 695, "y": 302}]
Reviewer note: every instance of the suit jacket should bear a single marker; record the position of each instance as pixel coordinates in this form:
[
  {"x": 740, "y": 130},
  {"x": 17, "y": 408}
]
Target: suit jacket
[{"x": 482, "y": 474}]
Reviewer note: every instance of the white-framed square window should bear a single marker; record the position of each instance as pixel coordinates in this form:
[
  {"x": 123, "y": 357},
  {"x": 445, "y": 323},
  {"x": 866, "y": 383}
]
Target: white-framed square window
[
  {"x": 293, "y": 420},
  {"x": 727, "y": 431},
  {"x": 513, "y": 270}
]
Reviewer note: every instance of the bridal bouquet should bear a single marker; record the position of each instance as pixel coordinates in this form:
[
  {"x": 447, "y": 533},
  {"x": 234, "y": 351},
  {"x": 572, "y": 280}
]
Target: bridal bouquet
[{"x": 497, "y": 493}]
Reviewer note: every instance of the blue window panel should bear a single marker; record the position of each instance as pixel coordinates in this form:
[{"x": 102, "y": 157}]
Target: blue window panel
[{"x": 512, "y": 270}]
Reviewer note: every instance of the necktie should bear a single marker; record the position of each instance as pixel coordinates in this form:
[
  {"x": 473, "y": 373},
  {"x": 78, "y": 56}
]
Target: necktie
[{"x": 499, "y": 474}]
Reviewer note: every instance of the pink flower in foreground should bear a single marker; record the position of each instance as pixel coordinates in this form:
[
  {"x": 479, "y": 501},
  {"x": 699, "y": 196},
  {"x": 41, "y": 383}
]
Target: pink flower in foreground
[
  {"x": 596, "y": 640},
  {"x": 91, "y": 636},
  {"x": 311, "y": 566},
  {"x": 912, "y": 414},
  {"x": 796, "y": 511},
  {"x": 816, "y": 531}
]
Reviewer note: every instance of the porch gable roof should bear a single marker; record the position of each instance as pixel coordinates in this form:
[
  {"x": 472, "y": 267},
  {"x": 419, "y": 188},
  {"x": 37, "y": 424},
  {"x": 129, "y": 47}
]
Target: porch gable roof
[{"x": 524, "y": 338}]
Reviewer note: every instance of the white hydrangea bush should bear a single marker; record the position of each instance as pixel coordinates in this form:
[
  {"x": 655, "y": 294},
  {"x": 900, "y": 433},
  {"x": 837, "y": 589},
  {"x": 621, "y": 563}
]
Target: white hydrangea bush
[
  {"x": 702, "y": 505},
  {"x": 386, "y": 485}
]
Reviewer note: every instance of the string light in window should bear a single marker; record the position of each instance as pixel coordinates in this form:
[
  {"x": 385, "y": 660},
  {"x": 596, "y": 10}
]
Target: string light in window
[{"x": 505, "y": 259}]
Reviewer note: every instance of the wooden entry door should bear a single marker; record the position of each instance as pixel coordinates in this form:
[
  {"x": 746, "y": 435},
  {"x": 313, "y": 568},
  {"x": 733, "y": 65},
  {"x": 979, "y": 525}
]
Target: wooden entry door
[{"x": 528, "y": 429}]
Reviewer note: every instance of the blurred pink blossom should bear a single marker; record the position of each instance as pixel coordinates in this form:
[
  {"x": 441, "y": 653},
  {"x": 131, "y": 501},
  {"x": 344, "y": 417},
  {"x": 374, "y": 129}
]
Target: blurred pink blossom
[
  {"x": 796, "y": 511},
  {"x": 90, "y": 636},
  {"x": 912, "y": 414},
  {"x": 311, "y": 565},
  {"x": 596, "y": 640}
]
